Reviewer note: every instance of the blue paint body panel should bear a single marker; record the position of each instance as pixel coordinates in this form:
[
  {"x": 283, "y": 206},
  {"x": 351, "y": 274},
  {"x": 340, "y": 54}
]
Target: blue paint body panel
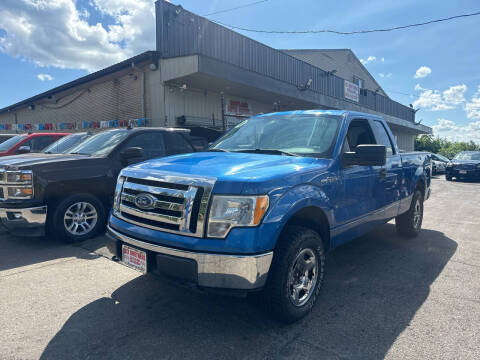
[{"x": 353, "y": 199}]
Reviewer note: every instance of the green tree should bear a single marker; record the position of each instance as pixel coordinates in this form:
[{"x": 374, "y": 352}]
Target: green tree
[{"x": 444, "y": 147}]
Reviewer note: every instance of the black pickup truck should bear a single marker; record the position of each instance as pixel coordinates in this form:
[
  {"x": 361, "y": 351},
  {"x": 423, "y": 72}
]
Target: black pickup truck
[{"x": 69, "y": 194}]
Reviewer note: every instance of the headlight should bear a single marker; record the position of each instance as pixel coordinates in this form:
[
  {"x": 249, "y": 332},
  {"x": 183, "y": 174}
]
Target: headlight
[
  {"x": 232, "y": 211},
  {"x": 20, "y": 192},
  {"x": 18, "y": 184},
  {"x": 449, "y": 164},
  {"x": 118, "y": 193},
  {"x": 20, "y": 177}
]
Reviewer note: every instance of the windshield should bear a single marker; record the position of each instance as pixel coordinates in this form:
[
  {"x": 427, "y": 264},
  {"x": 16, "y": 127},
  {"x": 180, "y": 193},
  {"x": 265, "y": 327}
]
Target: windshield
[
  {"x": 298, "y": 134},
  {"x": 65, "y": 143},
  {"x": 441, "y": 158},
  {"x": 7, "y": 145},
  {"x": 465, "y": 156},
  {"x": 100, "y": 144}
]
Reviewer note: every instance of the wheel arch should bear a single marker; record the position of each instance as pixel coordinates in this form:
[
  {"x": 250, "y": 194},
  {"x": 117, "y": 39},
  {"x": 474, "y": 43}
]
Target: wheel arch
[
  {"x": 420, "y": 185},
  {"x": 55, "y": 192},
  {"x": 314, "y": 218}
]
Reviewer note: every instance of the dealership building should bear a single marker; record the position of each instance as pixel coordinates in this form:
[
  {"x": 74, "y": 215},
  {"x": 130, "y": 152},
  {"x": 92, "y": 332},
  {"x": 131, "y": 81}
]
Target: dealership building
[{"x": 203, "y": 74}]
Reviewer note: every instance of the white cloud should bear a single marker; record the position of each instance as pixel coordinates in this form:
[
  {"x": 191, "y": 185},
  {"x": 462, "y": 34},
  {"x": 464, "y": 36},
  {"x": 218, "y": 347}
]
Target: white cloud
[
  {"x": 472, "y": 108},
  {"x": 382, "y": 75},
  {"x": 422, "y": 71},
  {"x": 45, "y": 77},
  {"x": 455, "y": 94},
  {"x": 368, "y": 60},
  {"x": 56, "y": 33},
  {"x": 419, "y": 88},
  {"x": 436, "y": 100},
  {"x": 382, "y": 59},
  {"x": 450, "y": 130}
]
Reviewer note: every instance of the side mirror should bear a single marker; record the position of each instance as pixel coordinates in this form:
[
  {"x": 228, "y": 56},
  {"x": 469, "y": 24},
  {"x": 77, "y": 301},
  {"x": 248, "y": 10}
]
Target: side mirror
[
  {"x": 366, "y": 155},
  {"x": 131, "y": 153},
  {"x": 23, "y": 150}
]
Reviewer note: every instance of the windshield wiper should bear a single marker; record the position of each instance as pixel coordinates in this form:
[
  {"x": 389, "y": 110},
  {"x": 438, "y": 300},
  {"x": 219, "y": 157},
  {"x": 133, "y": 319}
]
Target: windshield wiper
[
  {"x": 217, "y": 150},
  {"x": 79, "y": 153},
  {"x": 269, "y": 151}
]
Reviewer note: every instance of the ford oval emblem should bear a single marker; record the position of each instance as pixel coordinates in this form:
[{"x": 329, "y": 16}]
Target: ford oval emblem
[{"x": 145, "y": 201}]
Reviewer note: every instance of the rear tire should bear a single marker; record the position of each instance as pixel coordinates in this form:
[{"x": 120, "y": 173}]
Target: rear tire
[
  {"x": 77, "y": 218},
  {"x": 448, "y": 177},
  {"x": 409, "y": 224},
  {"x": 296, "y": 274}
]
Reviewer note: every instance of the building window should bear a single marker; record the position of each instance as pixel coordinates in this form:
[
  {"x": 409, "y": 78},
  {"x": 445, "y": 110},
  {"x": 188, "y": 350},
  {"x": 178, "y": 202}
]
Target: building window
[{"x": 358, "y": 81}]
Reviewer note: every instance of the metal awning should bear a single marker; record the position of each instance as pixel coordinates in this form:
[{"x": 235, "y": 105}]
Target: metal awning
[{"x": 201, "y": 72}]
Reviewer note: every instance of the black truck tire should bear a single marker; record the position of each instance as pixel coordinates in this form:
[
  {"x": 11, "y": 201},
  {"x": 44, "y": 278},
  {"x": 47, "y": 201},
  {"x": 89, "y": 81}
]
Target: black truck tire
[
  {"x": 78, "y": 217},
  {"x": 448, "y": 177},
  {"x": 409, "y": 224},
  {"x": 298, "y": 263}
]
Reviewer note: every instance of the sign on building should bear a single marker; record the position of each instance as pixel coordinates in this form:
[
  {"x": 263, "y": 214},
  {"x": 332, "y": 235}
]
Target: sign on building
[
  {"x": 237, "y": 108},
  {"x": 351, "y": 91}
]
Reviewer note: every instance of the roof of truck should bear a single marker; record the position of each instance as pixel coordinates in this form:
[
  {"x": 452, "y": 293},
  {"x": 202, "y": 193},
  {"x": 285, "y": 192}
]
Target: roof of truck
[{"x": 318, "y": 112}]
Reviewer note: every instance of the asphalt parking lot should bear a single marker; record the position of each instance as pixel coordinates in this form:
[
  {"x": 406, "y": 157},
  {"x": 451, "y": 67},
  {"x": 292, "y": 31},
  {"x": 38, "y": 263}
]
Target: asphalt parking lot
[{"x": 384, "y": 297}]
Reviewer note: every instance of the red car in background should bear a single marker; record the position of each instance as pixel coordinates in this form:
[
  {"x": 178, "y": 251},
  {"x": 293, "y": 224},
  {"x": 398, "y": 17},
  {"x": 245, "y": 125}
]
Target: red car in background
[{"x": 27, "y": 143}]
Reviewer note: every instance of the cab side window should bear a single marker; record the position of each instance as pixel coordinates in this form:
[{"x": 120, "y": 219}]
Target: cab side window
[
  {"x": 39, "y": 143},
  {"x": 152, "y": 144},
  {"x": 359, "y": 133},
  {"x": 176, "y": 144},
  {"x": 384, "y": 139}
]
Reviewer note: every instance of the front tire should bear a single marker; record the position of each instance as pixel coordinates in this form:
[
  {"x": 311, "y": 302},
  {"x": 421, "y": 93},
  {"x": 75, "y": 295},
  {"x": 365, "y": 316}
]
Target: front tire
[
  {"x": 409, "y": 224},
  {"x": 448, "y": 177},
  {"x": 78, "y": 218},
  {"x": 296, "y": 274}
]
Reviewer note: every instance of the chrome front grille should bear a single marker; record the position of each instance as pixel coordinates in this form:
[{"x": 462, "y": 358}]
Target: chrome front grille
[{"x": 165, "y": 203}]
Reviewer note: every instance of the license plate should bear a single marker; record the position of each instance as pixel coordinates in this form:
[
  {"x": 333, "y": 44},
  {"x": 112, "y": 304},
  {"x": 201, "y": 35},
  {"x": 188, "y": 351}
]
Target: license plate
[
  {"x": 134, "y": 258},
  {"x": 462, "y": 172}
]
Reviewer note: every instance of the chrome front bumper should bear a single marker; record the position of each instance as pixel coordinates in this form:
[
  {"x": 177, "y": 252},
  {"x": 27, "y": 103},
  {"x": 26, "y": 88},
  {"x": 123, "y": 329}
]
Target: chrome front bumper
[
  {"x": 25, "y": 222},
  {"x": 221, "y": 271}
]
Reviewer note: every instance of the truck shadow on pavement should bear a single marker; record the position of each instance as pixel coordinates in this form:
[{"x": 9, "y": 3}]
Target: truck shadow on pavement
[
  {"x": 16, "y": 252},
  {"x": 373, "y": 289}
]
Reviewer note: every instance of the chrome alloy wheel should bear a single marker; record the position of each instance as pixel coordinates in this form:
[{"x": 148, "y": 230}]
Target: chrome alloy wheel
[
  {"x": 417, "y": 215},
  {"x": 80, "y": 218},
  {"x": 302, "y": 277}
]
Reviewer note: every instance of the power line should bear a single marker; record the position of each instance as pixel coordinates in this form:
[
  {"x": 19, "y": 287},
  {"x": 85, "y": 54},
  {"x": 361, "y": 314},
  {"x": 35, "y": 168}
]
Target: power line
[
  {"x": 398, "y": 92},
  {"x": 235, "y": 8},
  {"x": 349, "y": 32}
]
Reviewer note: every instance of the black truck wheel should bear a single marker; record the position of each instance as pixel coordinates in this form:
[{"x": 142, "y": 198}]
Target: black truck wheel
[
  {"x": 78, "y": 218},
  {"x": 296, "y": 274},
  {"x": 409, "y": 224},
  {"x": 448, "y": 177}
]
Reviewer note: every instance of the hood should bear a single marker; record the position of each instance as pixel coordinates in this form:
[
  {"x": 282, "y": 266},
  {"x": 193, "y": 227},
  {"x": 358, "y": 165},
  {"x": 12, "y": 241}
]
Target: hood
[
  {"x": 255, "y": 171},
  {"x": 35, "y": 159},
  {"x": 465, "y": 162}
]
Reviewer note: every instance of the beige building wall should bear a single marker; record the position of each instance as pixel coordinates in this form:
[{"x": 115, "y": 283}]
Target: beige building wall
[
  {"x": 204, "y": 107},
  {"x": 405, "y": 141},
  {"x": 123, "y": 95}
]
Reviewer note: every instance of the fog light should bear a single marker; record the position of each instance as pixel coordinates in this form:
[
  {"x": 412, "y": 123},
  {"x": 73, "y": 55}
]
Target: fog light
[{"x": 14, "y": 215}]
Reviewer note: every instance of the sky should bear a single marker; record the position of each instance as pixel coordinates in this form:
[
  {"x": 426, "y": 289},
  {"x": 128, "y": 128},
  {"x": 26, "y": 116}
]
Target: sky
[{"x": 45, "y": 43}]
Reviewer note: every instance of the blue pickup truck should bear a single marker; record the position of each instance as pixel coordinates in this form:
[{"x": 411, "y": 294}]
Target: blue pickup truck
[{"x": 260, "y": 209}]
